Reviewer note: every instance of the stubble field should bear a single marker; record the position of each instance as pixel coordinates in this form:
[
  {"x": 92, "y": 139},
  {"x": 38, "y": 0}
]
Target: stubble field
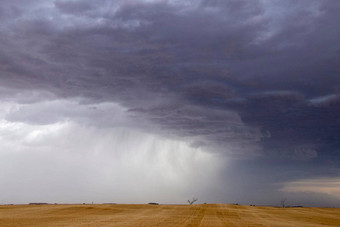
[{"x": 165, "y": 215}]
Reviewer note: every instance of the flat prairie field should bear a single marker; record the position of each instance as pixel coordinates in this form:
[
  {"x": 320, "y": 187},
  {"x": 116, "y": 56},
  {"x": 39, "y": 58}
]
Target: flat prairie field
[{"x": 165, "y": 215}]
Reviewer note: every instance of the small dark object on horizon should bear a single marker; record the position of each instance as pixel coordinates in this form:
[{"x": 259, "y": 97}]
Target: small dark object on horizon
[
  {"x": 283, "y": 202},
  {"x": 37, "y": 203},
  {"x": 192, "y": 201}
]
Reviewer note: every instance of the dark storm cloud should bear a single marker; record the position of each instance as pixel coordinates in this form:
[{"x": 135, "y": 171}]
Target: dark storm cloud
[
  {"x": 246, "y": 76},
  {"x": 76, "y": 7},
  {"x": 300, "y": 129}
]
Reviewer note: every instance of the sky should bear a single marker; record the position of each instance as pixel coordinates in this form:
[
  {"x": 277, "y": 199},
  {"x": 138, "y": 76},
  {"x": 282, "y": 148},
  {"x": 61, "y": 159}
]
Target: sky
[{"x": 137, "y": 101}]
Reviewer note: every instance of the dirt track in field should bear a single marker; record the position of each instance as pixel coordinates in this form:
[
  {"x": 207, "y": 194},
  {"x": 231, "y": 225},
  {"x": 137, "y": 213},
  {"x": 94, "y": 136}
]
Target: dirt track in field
[{"x": 165, "y": 215}]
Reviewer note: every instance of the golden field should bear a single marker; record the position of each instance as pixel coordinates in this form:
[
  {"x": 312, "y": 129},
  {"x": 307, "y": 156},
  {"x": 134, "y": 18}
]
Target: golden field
[{"x": 165, "y": 215}]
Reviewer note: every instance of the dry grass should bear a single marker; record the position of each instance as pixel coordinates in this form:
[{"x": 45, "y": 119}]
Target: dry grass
[{"x": 165, "y": 215}]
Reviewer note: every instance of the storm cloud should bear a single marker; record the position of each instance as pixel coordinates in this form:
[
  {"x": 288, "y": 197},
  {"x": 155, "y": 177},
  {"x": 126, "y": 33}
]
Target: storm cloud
[{"x": 254, "y": 82}]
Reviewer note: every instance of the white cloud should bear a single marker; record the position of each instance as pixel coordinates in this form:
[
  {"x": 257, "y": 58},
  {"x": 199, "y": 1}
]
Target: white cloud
[
  {"x": 51, "y": 111},
  {"x": 324, "y": 100}
]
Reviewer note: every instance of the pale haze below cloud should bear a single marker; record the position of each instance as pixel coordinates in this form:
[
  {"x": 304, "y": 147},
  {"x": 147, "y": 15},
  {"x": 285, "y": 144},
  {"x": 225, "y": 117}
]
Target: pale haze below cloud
[{"x": 69, "y": 161}]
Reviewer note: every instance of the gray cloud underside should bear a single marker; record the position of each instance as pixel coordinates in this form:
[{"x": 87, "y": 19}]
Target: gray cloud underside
[{"x": 247, "y": 77}]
